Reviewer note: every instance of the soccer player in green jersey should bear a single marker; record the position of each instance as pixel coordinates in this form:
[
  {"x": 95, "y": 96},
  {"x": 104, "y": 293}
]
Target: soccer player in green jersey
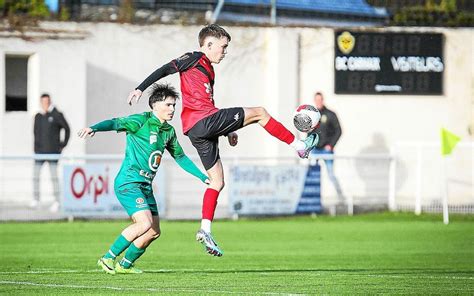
[{"x": 148, "y": 135}]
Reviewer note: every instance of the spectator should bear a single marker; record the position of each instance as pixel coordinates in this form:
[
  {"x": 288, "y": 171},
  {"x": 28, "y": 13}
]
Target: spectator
[
  {"x": 47, "y": 132},
  {"x": 329, "y": 133}
]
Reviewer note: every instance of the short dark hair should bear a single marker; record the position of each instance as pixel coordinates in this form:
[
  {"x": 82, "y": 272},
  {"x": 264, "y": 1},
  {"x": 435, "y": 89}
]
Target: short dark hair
[
  {"x": 45, "y": 95},
  {"x": 160, "y": 92},
  {"x": 318, "y": 93},
  {"x": 212, "y": 30}
]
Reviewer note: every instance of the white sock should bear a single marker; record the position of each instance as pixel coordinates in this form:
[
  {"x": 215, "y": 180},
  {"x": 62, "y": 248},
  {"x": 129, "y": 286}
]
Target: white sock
[
  {"x": 206, "y": 225},
  {"x": 298, "y": 144}
]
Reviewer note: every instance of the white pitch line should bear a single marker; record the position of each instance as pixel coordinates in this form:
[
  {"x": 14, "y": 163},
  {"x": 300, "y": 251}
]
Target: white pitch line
[
  {"x": 78, "y": 286},
  {"x": 45, "y": 271},
  {"x": 133, "y": 289},
  {"x": 184, "y": 270}
]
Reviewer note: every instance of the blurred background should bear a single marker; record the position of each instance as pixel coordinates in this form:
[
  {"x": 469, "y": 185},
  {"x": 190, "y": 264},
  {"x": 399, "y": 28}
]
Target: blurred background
[{"x": 394, "y": 72}]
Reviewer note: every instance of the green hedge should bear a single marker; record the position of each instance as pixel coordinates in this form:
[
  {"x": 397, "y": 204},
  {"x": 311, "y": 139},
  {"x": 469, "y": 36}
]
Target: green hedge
[{"x": 444, "y": 14}]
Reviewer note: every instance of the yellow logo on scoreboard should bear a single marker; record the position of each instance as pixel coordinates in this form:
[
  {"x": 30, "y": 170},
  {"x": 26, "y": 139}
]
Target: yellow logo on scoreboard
[{"x": 346, "y": 42}]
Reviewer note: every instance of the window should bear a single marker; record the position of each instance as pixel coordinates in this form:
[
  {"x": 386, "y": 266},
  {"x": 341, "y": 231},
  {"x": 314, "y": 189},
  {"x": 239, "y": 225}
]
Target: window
[{"x": 16, "y": 81}]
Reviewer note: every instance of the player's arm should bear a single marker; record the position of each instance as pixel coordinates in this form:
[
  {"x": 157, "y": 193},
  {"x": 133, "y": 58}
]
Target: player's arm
[
  {"x": 188, "y": 165},
  {"x": 130, "y": 124},
  {"x": 158, "y": 74},
  {"x": 233, "y": 138},
  {"x": 176, "y": 151},
  {"x": 180, "y": 64},
  {"x": 103, "y": 126}
]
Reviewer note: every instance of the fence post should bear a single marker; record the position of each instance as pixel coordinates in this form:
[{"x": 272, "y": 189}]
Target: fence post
[
  {"x": 419, "y": 163},
  {"x": 445, "y": 190},
  {"x": 217, "y": 11},
  {"x": 273, "y": 12},
  {"x": 392, "y": 179}
]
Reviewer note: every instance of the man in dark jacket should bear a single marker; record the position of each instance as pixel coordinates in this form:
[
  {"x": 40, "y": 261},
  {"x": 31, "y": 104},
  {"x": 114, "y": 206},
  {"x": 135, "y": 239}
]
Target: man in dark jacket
[
  {"x": 47, "y": 132},
  {"x": 329, "y": 131}
]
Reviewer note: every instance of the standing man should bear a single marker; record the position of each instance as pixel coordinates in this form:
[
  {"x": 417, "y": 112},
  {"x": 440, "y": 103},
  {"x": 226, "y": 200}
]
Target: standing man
[
  {"x": 204, "y": 123},
  {"x": 330, "y": 131},
  {"x": 47, "y": 132}
]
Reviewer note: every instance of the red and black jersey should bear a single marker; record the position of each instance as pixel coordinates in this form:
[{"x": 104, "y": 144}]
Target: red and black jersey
[{"x": 197, "y": 86}]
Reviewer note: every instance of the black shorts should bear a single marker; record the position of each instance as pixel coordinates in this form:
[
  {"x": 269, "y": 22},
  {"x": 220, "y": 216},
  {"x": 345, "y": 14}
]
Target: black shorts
[{"x": 204, "y": 135}]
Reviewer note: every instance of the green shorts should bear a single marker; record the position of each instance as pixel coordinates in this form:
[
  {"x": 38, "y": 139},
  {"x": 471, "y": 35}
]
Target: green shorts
[{"x": 136, "y": 197}]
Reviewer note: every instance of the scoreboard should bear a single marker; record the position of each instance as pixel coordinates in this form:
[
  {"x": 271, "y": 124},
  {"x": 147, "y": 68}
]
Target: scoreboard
[{"x": 388, "y": 63}]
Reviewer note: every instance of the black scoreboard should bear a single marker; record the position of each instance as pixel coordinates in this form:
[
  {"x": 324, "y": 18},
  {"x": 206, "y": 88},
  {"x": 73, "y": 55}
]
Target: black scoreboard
[{"x": 388, "y": 63}]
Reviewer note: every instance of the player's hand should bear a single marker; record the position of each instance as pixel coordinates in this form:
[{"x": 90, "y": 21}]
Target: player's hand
[
  {"x": 134, "y": 96},
  {"x": 86, "y": 132},
  {"x": 328, "y": 148},
  {"x": 233, "y": 138}
]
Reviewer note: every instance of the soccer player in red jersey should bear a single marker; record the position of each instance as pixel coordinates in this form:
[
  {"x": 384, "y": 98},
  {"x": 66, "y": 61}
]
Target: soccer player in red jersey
[{"x": 204, "y": 123}]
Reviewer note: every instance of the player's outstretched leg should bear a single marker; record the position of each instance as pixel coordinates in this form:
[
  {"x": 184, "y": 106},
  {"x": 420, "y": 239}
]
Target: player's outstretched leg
[
  {"x": 279, "y": 131},
  {"x": 309, "y": 143},
  {"x": 206, "y": 239},
  {"x": 209, "y": 204}
]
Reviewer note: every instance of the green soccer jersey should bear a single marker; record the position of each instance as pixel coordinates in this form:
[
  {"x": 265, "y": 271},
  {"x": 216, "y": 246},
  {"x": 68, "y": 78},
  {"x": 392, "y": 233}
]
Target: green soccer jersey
[{"x": 147, "y": 139}]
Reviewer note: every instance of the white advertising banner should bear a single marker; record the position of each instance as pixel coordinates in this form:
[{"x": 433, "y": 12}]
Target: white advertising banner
[
  {"x": 89, "y": 191},
  {"x": 274, "y": 190}
]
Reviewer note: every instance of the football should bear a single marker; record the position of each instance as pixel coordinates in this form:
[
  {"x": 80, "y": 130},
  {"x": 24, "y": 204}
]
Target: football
[{"x": 306, "y": 118}]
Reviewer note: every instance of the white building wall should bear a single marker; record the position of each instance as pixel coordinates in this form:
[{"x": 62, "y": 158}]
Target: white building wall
[
  {"x": 56, "y": 67},
  {"x": 89, "y": 80}
]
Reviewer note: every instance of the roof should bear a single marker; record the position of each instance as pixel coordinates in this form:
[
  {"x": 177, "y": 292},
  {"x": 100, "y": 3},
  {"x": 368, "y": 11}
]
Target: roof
[{"x": 346, "y": 7}]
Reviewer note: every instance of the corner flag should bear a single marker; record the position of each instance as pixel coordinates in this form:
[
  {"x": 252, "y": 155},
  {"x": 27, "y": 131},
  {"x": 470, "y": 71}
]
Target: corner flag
[{"x": 448, "y": 141}]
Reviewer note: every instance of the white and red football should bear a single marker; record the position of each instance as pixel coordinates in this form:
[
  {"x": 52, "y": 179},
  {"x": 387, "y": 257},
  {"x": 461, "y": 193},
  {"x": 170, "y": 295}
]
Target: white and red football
[{"x": 306, "y": 118}]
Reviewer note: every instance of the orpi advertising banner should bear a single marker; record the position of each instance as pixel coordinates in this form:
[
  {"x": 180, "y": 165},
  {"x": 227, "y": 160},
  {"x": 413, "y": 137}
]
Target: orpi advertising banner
[{"x": 89, "y": 191}]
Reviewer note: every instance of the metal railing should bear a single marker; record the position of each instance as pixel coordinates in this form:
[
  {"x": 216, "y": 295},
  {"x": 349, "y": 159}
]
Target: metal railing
[{"x": 402, "y": 179}]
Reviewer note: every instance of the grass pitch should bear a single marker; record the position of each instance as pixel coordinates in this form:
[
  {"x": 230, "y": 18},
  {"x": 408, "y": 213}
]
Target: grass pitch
[{"x": 367, "y": 254}]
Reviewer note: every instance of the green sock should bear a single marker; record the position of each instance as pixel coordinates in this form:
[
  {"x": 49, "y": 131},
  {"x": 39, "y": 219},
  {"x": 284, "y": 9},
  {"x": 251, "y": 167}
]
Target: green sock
[
  {"x": 132, "y": 254},
  {"x": 119, "y": 245}
]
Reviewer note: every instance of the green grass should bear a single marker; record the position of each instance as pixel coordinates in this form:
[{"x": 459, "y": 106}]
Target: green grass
[{"x": 367, "y": 254}]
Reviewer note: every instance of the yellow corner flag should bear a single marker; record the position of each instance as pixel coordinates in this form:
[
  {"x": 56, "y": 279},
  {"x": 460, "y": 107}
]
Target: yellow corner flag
[{"x": 448, "y": 141}]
